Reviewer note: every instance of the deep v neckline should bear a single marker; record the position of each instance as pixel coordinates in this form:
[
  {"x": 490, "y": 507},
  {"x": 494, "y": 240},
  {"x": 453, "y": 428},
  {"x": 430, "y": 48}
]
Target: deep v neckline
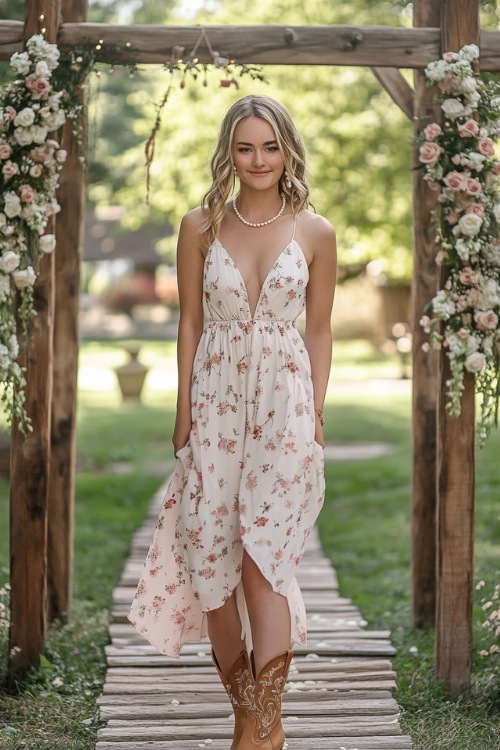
[{"x": 264, "y": 283}]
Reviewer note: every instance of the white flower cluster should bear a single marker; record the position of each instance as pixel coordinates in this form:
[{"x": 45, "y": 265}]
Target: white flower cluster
[
  {"x": 459, "y": 158},
  {"x": 31, "y": 110}
]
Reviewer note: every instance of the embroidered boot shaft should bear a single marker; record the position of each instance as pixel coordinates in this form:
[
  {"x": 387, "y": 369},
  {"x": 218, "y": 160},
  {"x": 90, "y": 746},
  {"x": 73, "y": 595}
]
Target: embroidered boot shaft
[
  {"x": 239, "y": 688},
  {"x": 263, "y": 728}
]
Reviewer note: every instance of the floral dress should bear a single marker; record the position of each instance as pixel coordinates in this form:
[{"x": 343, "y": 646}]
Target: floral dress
[{"x": 251, "y": 476}]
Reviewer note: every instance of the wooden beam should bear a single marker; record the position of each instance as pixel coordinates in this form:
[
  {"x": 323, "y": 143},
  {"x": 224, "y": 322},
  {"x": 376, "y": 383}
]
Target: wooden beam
[
  {"x": 425, "y": 379},
  {"x": 455, "y": 520},
  {"x": 397, "y": 87},
  {"x": 30, "y": 459},
  {"x": 71, "y": 198},
  {"x": 380, "y": 46}
]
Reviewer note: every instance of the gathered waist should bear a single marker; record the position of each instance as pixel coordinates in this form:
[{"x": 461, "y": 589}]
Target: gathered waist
[{"x": 248, "y": 325}]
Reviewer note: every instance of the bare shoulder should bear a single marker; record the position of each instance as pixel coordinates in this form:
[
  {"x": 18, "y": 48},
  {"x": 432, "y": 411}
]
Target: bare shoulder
[
  {"x": 190, "y": 231},
  {"x": 316, "y": 235}
]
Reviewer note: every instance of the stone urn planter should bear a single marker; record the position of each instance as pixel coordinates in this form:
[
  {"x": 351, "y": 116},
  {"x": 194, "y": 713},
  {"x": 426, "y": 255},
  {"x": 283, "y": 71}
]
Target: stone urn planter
[{"x": 131, "y": 376}]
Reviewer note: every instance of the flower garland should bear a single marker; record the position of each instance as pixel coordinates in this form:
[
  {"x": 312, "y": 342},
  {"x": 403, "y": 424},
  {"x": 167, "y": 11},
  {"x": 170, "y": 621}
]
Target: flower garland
[
  {"x": 459, "y": 161},
  {"x": 31, "y": 110}
]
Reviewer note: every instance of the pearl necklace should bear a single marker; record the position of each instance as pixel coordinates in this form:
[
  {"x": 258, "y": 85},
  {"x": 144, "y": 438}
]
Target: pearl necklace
[{"x": 261, "y": 223}]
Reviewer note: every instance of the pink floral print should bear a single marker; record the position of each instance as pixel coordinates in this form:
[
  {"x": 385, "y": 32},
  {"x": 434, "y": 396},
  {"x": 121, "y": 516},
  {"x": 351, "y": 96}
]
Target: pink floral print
[{"x": 251, "y": 477}]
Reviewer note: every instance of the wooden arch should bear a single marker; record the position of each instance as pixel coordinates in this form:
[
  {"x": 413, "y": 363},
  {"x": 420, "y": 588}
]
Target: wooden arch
[{"x": 42, "y": 469}]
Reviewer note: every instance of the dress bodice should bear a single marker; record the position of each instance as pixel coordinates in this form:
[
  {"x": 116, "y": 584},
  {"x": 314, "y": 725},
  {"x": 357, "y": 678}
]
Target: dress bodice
[{"x": 282, "y": 295}]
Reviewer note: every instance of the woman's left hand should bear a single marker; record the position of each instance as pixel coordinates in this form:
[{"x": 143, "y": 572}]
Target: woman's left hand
[{"x": 318, "y": 432}]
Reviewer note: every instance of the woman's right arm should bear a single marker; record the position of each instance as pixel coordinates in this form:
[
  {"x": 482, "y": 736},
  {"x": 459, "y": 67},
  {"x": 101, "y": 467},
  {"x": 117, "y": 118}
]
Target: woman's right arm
[{"x": 190, "y": 262}]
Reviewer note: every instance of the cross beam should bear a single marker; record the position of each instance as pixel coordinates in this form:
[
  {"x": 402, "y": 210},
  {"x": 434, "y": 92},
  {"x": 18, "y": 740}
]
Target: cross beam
[{"x": 372, "y": 46}]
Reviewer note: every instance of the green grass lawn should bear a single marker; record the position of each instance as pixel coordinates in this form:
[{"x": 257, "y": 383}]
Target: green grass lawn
[{"x": 364, "y": 529}]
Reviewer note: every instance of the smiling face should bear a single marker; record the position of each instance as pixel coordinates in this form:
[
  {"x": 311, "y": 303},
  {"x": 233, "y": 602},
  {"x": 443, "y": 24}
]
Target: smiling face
[{"x": 256, "y": 155}]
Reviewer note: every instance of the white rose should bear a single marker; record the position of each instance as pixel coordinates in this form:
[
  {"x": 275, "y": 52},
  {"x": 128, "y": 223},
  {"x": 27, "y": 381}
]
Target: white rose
[
  {"x": 39, "y": 134},
  {"x": 12, "y": 205},
  {"x": 42, "y": 69},
  {"x": 4, "y": 286},
  {"x": 470, "y": 224},
  {"x": 24, "y": 118},
  {"x": 23, "y": 136},
  {"x": 14, "y": 346},
  {"x": 473, "y": 99},
  {"x": 3, "y": 221},
  {"x": 469, "y": 52},
  {"x": 36, "y": 171},
  {"x": 473, "y": 160},
  {"x": 469, "y": 85},
  {"x": 47, "y": 243},
  {"x": 24, "y": 278},
  {"x": 491, "y": 293},
  {"x": 61, "y": 155},
  {"x": 475, "y": 362},
  {"x": 452, "y": 109},
  {"x": 436, "y": 70},
  {"x": 9, "y": 261},
  {"x": 472, "y": 344},
  {"x": 20, "y": 61},
  {"x": 496, "y": 211}
]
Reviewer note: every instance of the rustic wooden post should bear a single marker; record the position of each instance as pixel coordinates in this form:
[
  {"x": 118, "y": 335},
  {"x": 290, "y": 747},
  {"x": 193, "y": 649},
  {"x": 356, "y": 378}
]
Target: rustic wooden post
[
  {"x": 425, "y": 378},
  {"x": 31, "y": 459},
  {"x": 71, "y": 198},
  {"x": 455, "y": 520}
]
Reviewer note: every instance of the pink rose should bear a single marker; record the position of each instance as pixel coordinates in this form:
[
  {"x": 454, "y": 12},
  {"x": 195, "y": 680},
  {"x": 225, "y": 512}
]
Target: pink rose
[
  {"x": 36, "y": 171},
  {"x": 468, "y": 129},
  {"x": 429, "y": 179},
  {"x": 429, "y": 152},
  {"x": 486, "y": 147},
  {"x": 468, "y": 276},
  {"x": 9, "y": 169},
  {"x": 26, "y": 193},
  {"x": 448, "y": 56},
  {"x": 456, "y": 159},
  {"x": 495, "y": 167},
  {"x": 452, "y": 217},
  {"x": 476, "y": 208},
  {"x": 449, "y": 84},
  {"x": 39, "y": 87},
  {"x": 455, "y": 180},
  {"x": 38, "y": 154},
  {"x": 486, "y": 321},
  {"x": 463, "y": 333},
  {"x": 432, "y": 131},
  {"x": 473, "y": 186},
  {"x": 5, "y": 150},
  {"x": 9, "y": 114}
]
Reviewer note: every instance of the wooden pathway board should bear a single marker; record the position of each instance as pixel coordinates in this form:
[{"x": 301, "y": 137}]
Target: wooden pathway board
[{"x": 338, "y": 694}]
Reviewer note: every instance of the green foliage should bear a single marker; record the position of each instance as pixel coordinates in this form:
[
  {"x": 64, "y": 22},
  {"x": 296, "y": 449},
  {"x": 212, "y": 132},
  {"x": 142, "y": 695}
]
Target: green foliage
[{"x": 359, "y": 142}]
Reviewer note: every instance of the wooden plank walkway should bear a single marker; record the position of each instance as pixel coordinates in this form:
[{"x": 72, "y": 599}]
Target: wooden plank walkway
[{"x": 338, "y": 695}]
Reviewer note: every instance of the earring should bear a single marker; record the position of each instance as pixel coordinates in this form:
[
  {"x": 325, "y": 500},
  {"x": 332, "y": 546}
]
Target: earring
[
  {"x": 235, "y": 170},
  {"x": 288, "y": 181}
]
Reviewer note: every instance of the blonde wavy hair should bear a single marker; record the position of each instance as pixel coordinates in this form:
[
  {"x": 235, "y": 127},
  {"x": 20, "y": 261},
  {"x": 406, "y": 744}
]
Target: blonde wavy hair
[{"x": 222, "y": 164}]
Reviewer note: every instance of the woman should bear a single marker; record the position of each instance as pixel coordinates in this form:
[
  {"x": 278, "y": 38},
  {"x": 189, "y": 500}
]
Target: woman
[{"x": 248, "y": 436}]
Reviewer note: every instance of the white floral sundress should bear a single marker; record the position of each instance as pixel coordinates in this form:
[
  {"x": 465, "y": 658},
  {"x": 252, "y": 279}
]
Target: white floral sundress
[{"x": 251, "y": 476}]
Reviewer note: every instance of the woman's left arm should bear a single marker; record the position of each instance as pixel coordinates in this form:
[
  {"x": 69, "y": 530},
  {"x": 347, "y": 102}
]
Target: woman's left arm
[{"x": 319, "y": 302}]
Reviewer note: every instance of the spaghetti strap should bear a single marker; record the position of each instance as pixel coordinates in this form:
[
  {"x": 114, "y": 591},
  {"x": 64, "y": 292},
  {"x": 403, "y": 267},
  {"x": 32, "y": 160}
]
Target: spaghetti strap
[{"x": 294, "y": 227}]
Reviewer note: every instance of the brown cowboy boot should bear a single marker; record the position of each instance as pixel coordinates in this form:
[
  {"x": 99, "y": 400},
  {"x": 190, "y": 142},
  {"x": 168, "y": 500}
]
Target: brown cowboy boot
[
  {"x": 239, "y": 688},
  {"x": 263, "y": 729}
]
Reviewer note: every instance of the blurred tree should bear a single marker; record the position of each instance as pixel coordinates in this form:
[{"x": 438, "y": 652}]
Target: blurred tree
[{"x": 358, "y": 140}]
